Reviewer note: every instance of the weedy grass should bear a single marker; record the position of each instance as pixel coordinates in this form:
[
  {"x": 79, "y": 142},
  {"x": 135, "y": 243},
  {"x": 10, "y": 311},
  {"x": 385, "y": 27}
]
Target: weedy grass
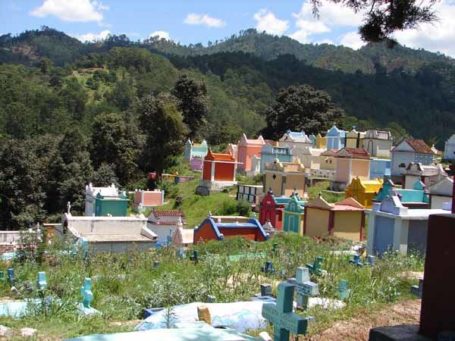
[{"x": 125, "y": 284}]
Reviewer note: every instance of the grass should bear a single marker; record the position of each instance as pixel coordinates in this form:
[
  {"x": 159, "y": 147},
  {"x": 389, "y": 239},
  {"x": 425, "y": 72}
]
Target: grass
[
  {"x": 125, "y": 284},
  {"x": 321, "y": 187},
  {"x": 197, "y": 207}
]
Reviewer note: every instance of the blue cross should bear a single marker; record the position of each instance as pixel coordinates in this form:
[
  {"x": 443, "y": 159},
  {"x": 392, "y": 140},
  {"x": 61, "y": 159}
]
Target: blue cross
[
  {"x": 316, "y": 267},
  {"x": 281, "y": 315},
  {"x": 86, "y": 292},
  {"x": 343, "y": 290},
  {"x": 305, "y": 287},
  {"x": 41, "y": 281},
  {"x": 356, "y": 260},
  {"x": 11, "y": 277}
]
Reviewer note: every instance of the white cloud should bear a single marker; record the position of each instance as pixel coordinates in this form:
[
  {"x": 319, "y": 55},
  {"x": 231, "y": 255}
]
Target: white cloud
[
  {"x": 268, "y": 22},
  {"x": 92, "y": 37},
  {"x": 352, "y": 40},
  {"x": 160, "y": 34},
  {"x": 437, "y": 36},
  {"x": 331, "y": 16},
  {"x": 203, "y": 19},
  {"x": 71, "y": 10}
]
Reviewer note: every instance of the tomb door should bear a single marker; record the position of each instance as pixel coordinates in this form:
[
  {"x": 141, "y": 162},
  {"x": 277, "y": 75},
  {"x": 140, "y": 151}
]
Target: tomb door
[
  {"x": 417, "y": 236},
  {"x": 383, "y": 235}
]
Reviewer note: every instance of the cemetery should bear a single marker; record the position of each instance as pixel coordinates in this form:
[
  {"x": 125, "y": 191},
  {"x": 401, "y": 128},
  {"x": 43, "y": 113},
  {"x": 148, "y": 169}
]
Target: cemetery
[{"x": 267, "y": 257}]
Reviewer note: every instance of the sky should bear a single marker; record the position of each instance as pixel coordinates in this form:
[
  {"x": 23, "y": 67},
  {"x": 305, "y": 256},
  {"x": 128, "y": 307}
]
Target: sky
[{"x": 201, "y": 21}]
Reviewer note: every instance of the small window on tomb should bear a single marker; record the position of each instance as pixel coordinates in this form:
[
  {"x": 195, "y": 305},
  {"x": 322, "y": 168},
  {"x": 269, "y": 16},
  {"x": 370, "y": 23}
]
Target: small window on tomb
[{"x": 274, "y": 176}]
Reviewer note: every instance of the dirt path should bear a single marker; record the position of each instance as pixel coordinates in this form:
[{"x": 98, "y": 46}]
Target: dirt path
[{"x": 406, "y": 312}]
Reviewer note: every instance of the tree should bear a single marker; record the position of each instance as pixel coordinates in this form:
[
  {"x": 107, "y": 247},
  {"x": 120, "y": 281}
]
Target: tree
[
  {"x": 104, "y": 176},
  {"x": 117, "y": 143},
  {"x": 192, "y": 102},
  {"x": 164, "y": 130},
  {"x": 301, "y": 108},
  {"x": 69, "y": 172},
  {"x": 22, "y": 179},
  {"x": 382, "y": 18}
]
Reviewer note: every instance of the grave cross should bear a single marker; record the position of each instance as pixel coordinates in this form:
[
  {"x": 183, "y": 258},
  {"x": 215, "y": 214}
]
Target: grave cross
[
  {"x": 305, "y": 287},
  {"x": 41, "y": 282},
  {"x": 268, "y": 268},
  {"x": 11, "y": 277},
  {"x": 316, "y": 267},
  {"x": 356, "y": 260},
  {"x": 343, "y": 289},
  {"x": 86, "y": 292},
  {"x": 280, "y": 314},
  {"x": 194, "y": 257}
]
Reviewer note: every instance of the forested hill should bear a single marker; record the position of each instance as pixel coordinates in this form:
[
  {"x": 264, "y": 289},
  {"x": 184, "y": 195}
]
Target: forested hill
[
  {"x": 381, "y": 87},
  {"x": 30, "y": 46}
]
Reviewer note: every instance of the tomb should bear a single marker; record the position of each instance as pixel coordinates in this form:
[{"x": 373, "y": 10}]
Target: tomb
[
  {"x": 164, "y": 223},
  {"x": 293, "y": 215},
  {"x": 182, "y": 237},
  {"x": 109, "y": 234},
  {"x": 246, "y": 149},
  {"x": 221, "y": 227},
  {"x": 449, "y": 149},
  {"x": 364, "y": 191},
  {"x": 412, "y": 198},
  {"x": 194, "y": 153},
  {"x": 394, "y": 227},
  {"x": 378, "y": 143},
  {"x": 285, "y": 178},
  {"x": 295, "y": 141},
  {"x": 271, "y": 210},
  {"x": 335, "y": 138},
  {"x": 219, "y": 171},
  {"x": 250, "y": 193},
  {"x": 429, "y": 175},
  {"x": 441, "y": 193},
  {"x": 192, "y": 150},
  {"x": 379, "y": 168},
  {"x": 233, "y": 150},
  {"x": 354, "y": 138},
  {"x": 344, "y": 219},
  {"x": 407, "y": 151},
  {"x": 351, "y": 163},
  {"x": 311, "y": 157},
  {"x": 105, "y": 201},
  {"x": 320, "y": 142},
  {"x": 148, "y": 198},
  {"x": 438, "y": 297},
  {"x": 271, "y": 153}
]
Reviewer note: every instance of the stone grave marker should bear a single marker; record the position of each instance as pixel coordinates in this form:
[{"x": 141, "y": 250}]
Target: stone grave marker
[
  {"x": 371, "y": 259},
  {"x": 195, "y": 257},
  {"x": 304, "y": 286},
  {"x": 181, "y": 252},
  {"x": 438, "y": 293},
  {"x": 86, "y": 292},
  {"x": 268, "y": 268},
  {"x": 356, "y": 260},
  {"x": 316, "y": 267},
  {"x": 11, "y": 277},
  {"x": 343, "y": 290},
  {"x": 281, "y": 315},
  {"x": 266, "y": 290},
  {"x": 417, "y": 289},
  {"x": 41, "y": 281}
]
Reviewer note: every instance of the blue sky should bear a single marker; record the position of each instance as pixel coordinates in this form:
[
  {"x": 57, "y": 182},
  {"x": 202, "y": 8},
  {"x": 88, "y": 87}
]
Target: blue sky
[{"x": 193, "y": 21}]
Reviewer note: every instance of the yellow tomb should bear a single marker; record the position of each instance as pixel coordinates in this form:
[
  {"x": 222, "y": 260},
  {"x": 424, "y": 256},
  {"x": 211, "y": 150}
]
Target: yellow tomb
[
  {"x": 363, "y": 190},
  {"x": 344, "y": 219}
]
